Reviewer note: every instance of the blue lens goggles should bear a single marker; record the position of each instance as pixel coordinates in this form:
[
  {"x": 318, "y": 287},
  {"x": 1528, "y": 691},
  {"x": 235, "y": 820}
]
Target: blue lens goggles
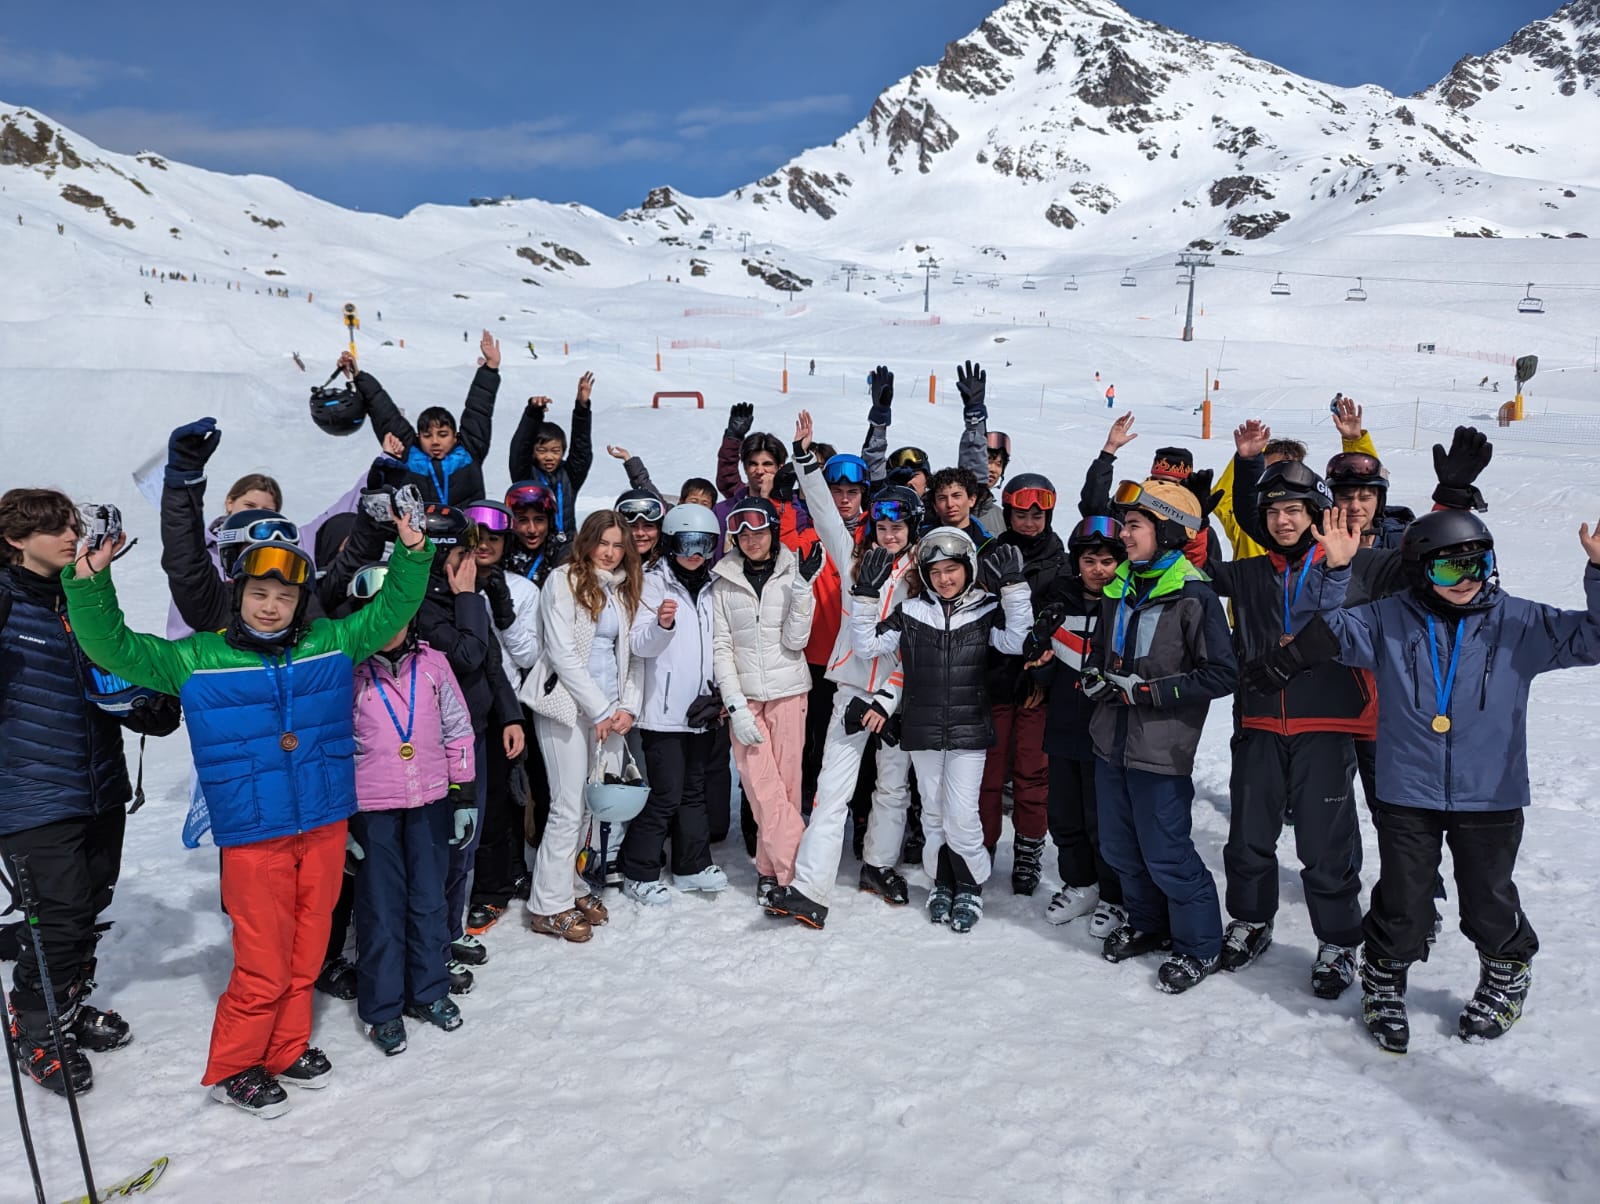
[{"x": 845, "y": 470}]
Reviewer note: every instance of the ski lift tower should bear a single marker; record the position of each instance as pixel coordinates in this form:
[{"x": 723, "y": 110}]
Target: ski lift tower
[
  {"x": 929, "y": 266},
  {"x": 1189, "y": 261}
]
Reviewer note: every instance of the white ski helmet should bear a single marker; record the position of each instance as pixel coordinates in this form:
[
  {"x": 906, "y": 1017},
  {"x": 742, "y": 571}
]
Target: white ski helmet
[
  {"x": 947, "y": 543},
  {"x": 690, "y": 530}
]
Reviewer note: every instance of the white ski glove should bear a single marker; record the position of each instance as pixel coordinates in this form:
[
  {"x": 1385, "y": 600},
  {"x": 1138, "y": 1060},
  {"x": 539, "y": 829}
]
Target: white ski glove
[{"x": 745, "y": 728}]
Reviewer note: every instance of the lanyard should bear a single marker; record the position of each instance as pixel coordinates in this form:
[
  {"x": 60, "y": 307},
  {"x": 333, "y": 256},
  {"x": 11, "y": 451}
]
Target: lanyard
[
  {"x": 561, "y": 498},
  {"x": 440, "y": 480},
  {"x": 534, "y": 567},
  {"x": 1119, "y": 637},
  {"x": 1298, "y": 586},
  {"x": 411, "y": 703},
  {"x": 1441, "y": 690},
  {"x": 283, "y": 698}
]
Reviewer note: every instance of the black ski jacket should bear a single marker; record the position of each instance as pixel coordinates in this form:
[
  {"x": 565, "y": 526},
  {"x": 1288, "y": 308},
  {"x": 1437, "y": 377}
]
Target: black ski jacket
[
  {"x": 458, "y": 478},
  {"x": 570, "y": 474}
]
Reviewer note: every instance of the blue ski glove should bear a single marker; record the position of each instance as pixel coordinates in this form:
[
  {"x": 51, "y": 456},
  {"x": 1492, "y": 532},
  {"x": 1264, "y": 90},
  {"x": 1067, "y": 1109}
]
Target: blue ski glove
[
  {"x": 465, "y": 815},
  {"x": 354, "y": 854},
  {"x": 188, "y": 449}
]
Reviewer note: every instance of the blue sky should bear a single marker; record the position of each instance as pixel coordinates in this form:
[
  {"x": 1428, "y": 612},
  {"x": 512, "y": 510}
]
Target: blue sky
[{"x": 386, "y": 106}]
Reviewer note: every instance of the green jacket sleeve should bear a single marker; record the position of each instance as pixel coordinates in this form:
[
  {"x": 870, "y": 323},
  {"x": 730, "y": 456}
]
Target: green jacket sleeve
[
  {"x": 102, "y": 633},
  {"x": 395, "y": 605}
]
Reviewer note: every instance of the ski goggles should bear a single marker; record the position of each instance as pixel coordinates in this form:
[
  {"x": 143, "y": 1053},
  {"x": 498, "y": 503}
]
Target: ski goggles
[
  {"x": 1131, "y": 495},
  {"x": 845, "y": 470},
  {"x": 284, "y": 561},
  {"x": 893, "y": 510},
  {"x": 748, "y": 520},
  {"x": 909, "y": 457},
  {"x": 1453, "y": 570},
  {"x": 1355, "y": 468},
  {"x": 944, "y": 544},
  {"x": 535, "y": 497},
  {"x": 1031, "y": 496},
  {"x": 999, "y": 444},
  {"x": 692, "y": 543},
  {"x": 637, "y": 510},
  {"x": 263, "y": 530},
  {"x": 368, "y": 580},
  {"x": 1101, "y": 527},
  {"x": 489, "y": 516}
]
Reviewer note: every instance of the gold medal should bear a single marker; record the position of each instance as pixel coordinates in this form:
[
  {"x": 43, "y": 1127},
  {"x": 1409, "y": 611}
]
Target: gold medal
[
  {"x": 407, "y": 751},
  {"x": 288, "y": 741},
  {"x": 1441, "y": 724}
]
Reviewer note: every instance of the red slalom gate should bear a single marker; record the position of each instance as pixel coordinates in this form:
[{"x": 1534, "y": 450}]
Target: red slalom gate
[{"x": 699, "y": 399}]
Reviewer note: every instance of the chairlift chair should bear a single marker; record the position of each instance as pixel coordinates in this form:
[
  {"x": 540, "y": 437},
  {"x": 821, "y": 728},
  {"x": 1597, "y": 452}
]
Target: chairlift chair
[
  {"x": 1530, "y": 304},
  {"x": 959, "y": 278},
  {"x": 1356, "y": 294},
  {"x": 1279, "y": 288},
  {"x": 1071, "y": 286},
  {"x": 1186, "y": 278},
  {"x": 1027, "y": 283},
  {"x": 1129, "y": 281}
]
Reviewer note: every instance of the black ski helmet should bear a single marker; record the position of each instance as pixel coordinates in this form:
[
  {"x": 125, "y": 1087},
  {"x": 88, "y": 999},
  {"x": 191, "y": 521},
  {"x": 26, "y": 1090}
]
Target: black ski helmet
[
  {"x": 1292, "y": 481},
  {"x": 897, "y": 500},
  {"x": 449, "y": 527},
  {"x": 1442, "y": 533},
  {"x": 338, "y": 411},
  {"x": 1356, "y": 470},
  {"x": 1037, "y": 490},
  {"x": 1098, "y": 532},
  {"x": 244, "y": 527},
  {"x": 906, "y": 462},
  {"x": 755, "y": 506}
]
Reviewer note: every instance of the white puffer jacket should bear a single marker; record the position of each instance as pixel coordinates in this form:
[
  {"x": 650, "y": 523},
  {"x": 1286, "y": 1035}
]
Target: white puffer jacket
[
  {"x": 519, "y": 643},
  {"x": 559, "y": 686},
  {"x": 677, "y": 662},
  {"x": 759, "y": 644}
]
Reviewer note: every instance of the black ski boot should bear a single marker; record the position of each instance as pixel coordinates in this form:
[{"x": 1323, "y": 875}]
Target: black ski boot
[
  {"x": 38, "y": 1053},
  {"x": 766, "y": 886},
  {"x": 1184, "y": 970},
  {"x": 1128, "y": 941},
  {"x": 310, "y": 1070},
  {"x": 967, "y": 908},
  {"x": 468, "y": 950},
  {"x": 1497, "y": 1003},
  {"x": 858, "y": 835},
  {"x": 254, "y": 1090},
  {"x": 886, "y": 883},
  {"x": 1027, "y": 857},
  {"x": 460, "y": 977},
  {"x": 1243, "y": 943},
  {"x": 1383, "y": 1002},
  {"x": 915, "y": 842},
  {"x": 100, "y": 1032},
  {"x": 787, "y": 901},
  {"x": 483, "y": 916},
  {"x": 1334, "y": 971},
  {"x": 338, "y": 978}
]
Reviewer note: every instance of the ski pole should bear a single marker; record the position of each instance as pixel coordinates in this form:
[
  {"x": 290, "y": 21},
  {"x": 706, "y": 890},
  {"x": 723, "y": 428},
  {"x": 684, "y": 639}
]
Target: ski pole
[
  {"x": 14, "y": 1057},
  {"x": 30, "y": 913}
]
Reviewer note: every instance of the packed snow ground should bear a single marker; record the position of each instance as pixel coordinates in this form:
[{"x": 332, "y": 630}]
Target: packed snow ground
[{"x": 705, "y": 1051}]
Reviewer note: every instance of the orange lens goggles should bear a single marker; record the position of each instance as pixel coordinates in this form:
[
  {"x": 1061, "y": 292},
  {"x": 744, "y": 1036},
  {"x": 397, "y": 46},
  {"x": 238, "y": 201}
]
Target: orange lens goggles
[{"x": 287, "y": 564}]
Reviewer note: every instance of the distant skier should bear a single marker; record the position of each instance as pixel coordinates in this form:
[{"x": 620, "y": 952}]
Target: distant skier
[
  {"x": 813, "y": 369},
  {"x": 147, "y": 300},
  {"x": 531, "y": 351}
]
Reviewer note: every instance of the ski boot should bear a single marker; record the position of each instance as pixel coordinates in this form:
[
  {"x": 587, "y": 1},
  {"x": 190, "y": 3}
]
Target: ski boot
[
  {"x": 100, "y": 1032},
  {"x": 1383, "y": 1002},
  {"x": 1244, "y": 942},
  {"x": 441, "y": 1013},
  {"x": 38, "y": 1053},
  {"x": 711, "y": 880},
  {"x": 469, "y": 951},
  {"x": 1181, "y": 971},
  {"x": 1108, "y": 917},
  {"x": 483, "y": 916},
  {"x": 1128, "y": 941},
  {"x": 460, "y": 978},
  {"x": 1027, "y": 854},
  {"x": 389, "y": 1036},
  {"x": 766, "y": 884},
  {"x": 253, "y": 1090},
  {"x": 787, "y": 901},
  {"x": 886, "y": 883},
  {"x": 941, "y": 902},
  {"x": 1070, "y": 902},
  {"x": 1497, "y": 1003},
  {"x": 653, "y": 893},
  {"x": 966, "y": 909},
  {"x": 311, "y": 1069},
  {"x": 1334, "y": 971},
  {"x": 593, "y": 909},
  {"x": 338, "y": 978}
]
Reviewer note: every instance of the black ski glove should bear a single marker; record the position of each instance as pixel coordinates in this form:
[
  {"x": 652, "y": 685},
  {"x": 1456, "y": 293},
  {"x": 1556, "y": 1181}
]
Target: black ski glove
[
  {"x": 499, "y": 595},
  {"x": 705, "y": 711},
  {"x": 1458, "y": 469},
  {"x": 1045, "y": 621},
  {"x": 873, "y": 570},
  {"x": 156, "y": 716},
  {"x": 811, "y": 562},
  {"x": 784, "y": 483},
  {"x": 1269, "y": 674},
  {"x": 188, "y": 449},
  {"x": 1000, "y": 567},
  {"x": 856, "y": 712},
  {"x": 881, "y": 383},
  {"x": 1199, "y": 484},
  {"x": 741, "y": 415},
  {"x": 972, "y": 382}
]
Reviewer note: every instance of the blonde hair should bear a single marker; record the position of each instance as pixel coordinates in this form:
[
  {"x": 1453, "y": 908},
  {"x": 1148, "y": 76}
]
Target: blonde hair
[{"x": 586, "y": 587}]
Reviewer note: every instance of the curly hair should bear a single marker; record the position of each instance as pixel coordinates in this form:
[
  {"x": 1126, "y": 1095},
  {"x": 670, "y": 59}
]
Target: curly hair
[
  {"x": 953, "y": 476},
  {"x": 586, "y": 587},
  {"x": 25, "y": 512}
]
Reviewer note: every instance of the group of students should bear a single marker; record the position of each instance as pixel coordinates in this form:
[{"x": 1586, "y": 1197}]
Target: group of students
[{"x": 877, "y": 646}]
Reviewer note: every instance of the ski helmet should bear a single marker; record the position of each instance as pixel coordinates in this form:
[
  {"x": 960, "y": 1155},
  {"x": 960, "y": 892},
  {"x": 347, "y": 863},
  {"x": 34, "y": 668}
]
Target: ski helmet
[
  {"x": 1028, "y": 490},
  {"x": 640, "y": 506},
  {"x": 1172, "y": 507},
  {"x": 1000, "y": 447},
  {"x": 906, "y": 462},
  {"x": 753, "y": 514},
  {"x": 116, "y": 695},
  {"x": 244, "y": 527},
  {"x": 897, "y": 504},
  {"x": 1456, "y": 545},
  {"x": 1357, "y": 470},
  {"x": 449, "y": 527},
  {"x": 531, "y": 495},
  {"x": 691, "y": 530},
  {"x": 1097, "y": 533},
  {"x": 1292, "y": 481},
  {"x": 488, "y": 516},
  {"x": 286, "y": 562},
  {"x": 338, "y": 411},
  {"x": 947, "y": 543},
  {"x": 845, "y": 469}
]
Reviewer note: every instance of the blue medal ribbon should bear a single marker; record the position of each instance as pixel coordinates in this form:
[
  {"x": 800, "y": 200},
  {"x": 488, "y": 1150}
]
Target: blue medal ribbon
[
  {"x": 411, "y": 703},
  {"x": 1299, "y": 585},
  {"x": 283, "y": 697},
  {"x": 1441, "y": 690}
]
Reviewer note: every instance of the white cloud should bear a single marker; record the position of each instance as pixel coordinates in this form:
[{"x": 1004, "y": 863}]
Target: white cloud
[
  {"x": 702, "y": 118},
  {"x": 19, "y": 68}
]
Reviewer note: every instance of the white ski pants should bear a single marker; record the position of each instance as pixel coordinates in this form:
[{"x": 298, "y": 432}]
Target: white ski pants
[{"x": 949, "y": 782}]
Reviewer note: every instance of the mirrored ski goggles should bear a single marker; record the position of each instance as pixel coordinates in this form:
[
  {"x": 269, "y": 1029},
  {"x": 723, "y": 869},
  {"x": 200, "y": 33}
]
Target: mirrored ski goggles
[
  {"x": 1131, "y": 495},
  {"x": 536, "y": 497},
  {"x": 893, "y": 510},
  {"x": 281, "y": 560},
  {"x": 368, "y": 580},
  {"x": 908, "y": 457},
  {"x": 1000, "y": 444},
  {"x": 1031, "y": 496},
  {"x": 489, "y": 516},
  {"x": 639, "y": 510},
  {"x": 1355, "y": 468},
  {"x": 1098, "y": 526},
  {"x": 748, "y": 520},
  {"x": 1453, "y": 570},
  {"x": 845, "y": 470},
  {"x": 692, "y": 543},
  {"x": 263, "y": 530}
]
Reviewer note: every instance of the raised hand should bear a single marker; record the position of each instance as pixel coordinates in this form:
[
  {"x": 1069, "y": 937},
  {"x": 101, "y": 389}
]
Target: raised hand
[
  {"x": 972, "y": 382},
  {"x": 802, "y": 432},
  {"x": 1002, "y": 566},
  {"x": 811, "y": 562},
  {"x": 741, "y": 416},
  {"x": 347, "y": 363},
  {"x": 617, "y": 453},
  {"x": 1590, "y": 541},
  {"x": 1458, "y": 469},
  {"x": 872, "y": 571},
  {"x": 489, "y": 352},
  {"x": 188, "y": 449},
  {"x": 585, "y": 388},
  {"x": 461, "y": 574},
  {"x": 92, "y": 563},
  {"x": 1120, "y": 435},
  {"x": 881, "y": 384},
  {"x": 1251, "y": 437},
  {"x": 666, "y": 613},
  {"x": 1347, "y": 418},
  {"x": 1339, "y": 542},
  {"x": 392, "y": 447}
]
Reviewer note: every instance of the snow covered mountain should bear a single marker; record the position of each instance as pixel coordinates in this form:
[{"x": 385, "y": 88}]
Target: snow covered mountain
[{"x": 1075, "y": 125}]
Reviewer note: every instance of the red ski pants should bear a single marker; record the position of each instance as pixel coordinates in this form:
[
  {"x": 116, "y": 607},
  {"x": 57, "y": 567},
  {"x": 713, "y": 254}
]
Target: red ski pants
[
  {"x": 1018, "y": 752},
  {"x": 280, "y": 895}
]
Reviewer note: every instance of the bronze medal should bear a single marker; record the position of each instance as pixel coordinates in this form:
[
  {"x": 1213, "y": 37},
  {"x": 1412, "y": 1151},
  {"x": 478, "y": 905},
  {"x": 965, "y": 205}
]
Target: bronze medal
[
  {"x": 1285, "y": 640},
  {"x": 407, "y": 751},
  {"x": 288, "y": 741},
  {"x": 1441, "y": 724}
]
